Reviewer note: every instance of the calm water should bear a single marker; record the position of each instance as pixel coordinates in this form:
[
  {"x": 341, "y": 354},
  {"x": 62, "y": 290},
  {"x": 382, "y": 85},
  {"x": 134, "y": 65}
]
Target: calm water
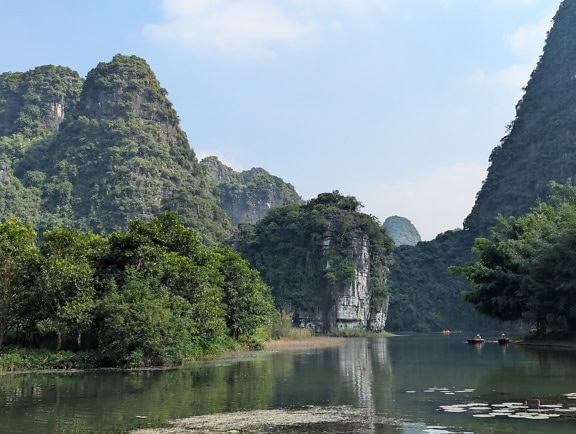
[{"x": 404, "y": 377}]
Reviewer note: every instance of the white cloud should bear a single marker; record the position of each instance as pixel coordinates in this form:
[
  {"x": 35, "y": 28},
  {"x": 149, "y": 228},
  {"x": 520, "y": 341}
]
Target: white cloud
[
  {"x": 512, "y": 78},
  {"x": 528, "y": 40},
  {"x": 434, "y": 201},
  {"x": 344, "y": 7},
  {"x": 526, "y": 43},
  {"x": 253, "y": 27},
  {"x": 514, "y": 2},
  {"x": 242, "y": 26}
]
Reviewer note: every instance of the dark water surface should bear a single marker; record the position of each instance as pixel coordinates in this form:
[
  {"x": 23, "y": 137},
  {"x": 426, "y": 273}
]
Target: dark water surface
[{"x": 408, "y": 378}]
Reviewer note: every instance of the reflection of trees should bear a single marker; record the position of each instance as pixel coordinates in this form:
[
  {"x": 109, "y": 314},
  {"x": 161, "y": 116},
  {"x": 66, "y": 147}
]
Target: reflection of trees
[
  {"x": 538, "y": 372},
  {"x": 112, "y": 401}
]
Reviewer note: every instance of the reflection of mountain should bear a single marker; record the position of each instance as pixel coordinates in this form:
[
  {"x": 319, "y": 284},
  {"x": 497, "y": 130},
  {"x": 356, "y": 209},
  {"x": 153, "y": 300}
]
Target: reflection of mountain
[{"x": 364, "y": 363}]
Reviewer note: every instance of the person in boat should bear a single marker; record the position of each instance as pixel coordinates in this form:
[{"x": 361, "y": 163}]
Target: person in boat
[
  {"x": 478, "y": 337},
  {"x": 503, "y": 336}
]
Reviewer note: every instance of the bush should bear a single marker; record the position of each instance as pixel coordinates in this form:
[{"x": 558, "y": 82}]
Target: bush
[{"x": 19, "y": 359}]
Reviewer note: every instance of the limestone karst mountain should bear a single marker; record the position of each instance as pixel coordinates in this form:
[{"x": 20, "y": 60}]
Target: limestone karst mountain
[
  {"x": 94, "y": 153},
  {"x": 326, "y": 262},
  {"x": 540, "y": 147},
  {"x": 402, "y": 231}
]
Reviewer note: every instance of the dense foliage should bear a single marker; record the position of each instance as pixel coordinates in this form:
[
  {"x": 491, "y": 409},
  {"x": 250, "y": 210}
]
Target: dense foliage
[
  {"x": 150, "y": 295},
  {"x": 526, "y": 270},
  {"x": 432, "y": 300},
  {"x": 96, "y": 153},
  {"x": 305, "y": 253},
  {"x": 33, "y": 103}
]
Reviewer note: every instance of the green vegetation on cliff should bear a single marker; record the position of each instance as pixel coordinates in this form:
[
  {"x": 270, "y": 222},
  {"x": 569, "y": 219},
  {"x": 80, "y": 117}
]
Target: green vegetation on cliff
[
  {"x": 246, "y": 196},
  {"x": 96, "y": 153},
  {"x": 305, "y": 252},
  {"x": 33, "y": 103}
]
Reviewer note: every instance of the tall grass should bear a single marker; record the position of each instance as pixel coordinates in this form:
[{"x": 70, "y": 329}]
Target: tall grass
[{"x": 282, "y": 328}]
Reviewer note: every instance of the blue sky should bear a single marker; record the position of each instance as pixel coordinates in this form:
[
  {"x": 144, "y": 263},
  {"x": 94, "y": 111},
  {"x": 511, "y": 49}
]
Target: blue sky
[{"x": 396, "y": 102}]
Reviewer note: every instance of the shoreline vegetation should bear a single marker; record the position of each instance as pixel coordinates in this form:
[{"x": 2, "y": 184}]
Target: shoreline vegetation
[
  {"x": 21, "y": 361},
  {"x": 24, "y": 360}
]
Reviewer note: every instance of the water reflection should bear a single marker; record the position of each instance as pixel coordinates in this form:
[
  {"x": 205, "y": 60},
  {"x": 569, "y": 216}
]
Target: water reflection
[
  {"x": 359, "y": 361},
  {"x": 405, "y": 377}
]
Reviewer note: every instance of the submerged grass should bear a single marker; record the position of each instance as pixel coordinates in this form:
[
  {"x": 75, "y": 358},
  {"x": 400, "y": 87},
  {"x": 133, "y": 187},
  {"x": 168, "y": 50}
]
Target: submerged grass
[{"x": 306, "y": 419}]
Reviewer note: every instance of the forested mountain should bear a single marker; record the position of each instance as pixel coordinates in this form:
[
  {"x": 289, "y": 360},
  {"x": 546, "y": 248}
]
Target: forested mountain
[
  {"x": 402, "y": 231},
  {"x": 540, "y": 146},
  {"x": 246, "y": 196},
  {"x": 326, "y": 262},
  {"x": 33, "y": 103},
  {"x": 96, "y": 153}
]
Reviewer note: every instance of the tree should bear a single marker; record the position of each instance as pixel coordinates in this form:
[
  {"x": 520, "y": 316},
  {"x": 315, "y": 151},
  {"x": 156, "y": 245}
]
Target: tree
[
  {"x": 162, "y": 295},
  {"x": 527, "y": 269},
  {"x": 65, "y": 282},
  {"x": 247, "y": 300},
  {"x": 17, "y": 250}
]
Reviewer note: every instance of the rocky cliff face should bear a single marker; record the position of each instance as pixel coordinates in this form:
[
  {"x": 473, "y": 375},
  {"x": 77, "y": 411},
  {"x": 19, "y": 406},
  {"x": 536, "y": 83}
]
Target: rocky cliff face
[
  {"x": 96, "y": 153},
  {"x": 326, "y": 263},
  {"x": 353, "y": 306},
  {"x": 540, "y": 144},
  {"x": 246, "y": 196}
]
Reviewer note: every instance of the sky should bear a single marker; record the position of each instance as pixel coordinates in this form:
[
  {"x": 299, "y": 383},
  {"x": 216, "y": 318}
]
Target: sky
[{"x": 396, "y": 102}]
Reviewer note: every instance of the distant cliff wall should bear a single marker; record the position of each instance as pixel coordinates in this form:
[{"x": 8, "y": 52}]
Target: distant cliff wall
[{"x": 246, "y": 196}]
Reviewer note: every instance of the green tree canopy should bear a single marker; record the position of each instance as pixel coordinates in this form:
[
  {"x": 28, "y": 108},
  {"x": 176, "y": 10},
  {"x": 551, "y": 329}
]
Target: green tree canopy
[
  {"x": 17, "y": 250},
  {"x": 526, "y": 270}
]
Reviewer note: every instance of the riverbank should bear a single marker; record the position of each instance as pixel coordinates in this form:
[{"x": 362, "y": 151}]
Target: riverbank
[
  {"x": 20, "y": 360},
  {"x": 548, "y": 343},
  {"x": 560, "y": 340},
  {"x": 300, "y": 344}
]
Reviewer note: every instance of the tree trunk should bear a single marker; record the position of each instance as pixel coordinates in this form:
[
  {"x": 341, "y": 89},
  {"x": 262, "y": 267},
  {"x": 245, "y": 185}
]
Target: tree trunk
[
  {"x": 2, "y": 333},
  {"x": 79, "y": 340},
  {"x": 58, "y": 341}
]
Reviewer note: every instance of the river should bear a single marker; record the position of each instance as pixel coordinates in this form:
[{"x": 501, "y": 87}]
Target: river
[{"x": 427, "y": 383}]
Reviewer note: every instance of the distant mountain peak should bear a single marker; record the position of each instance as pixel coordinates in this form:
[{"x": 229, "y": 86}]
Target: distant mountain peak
[{"x": 402, "y": 231}]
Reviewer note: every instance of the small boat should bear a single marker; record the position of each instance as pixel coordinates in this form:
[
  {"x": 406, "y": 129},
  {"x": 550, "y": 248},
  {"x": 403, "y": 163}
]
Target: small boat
[
  {"x": 503, "y": 340},
  {"x": 476, "y": 340}
]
